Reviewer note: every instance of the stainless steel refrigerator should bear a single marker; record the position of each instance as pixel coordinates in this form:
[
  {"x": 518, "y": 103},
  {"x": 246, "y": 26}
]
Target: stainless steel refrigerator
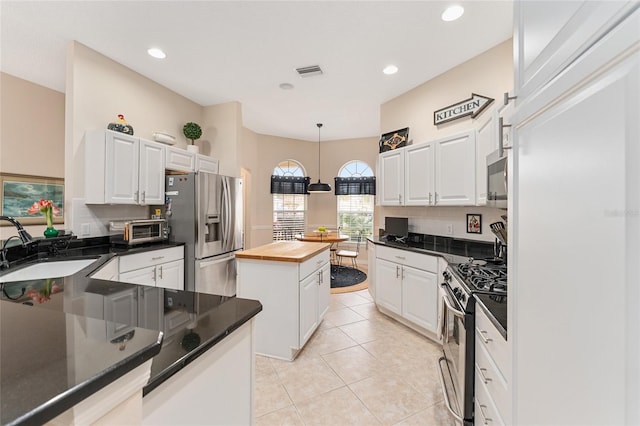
[{"x": 204, "y": 211}]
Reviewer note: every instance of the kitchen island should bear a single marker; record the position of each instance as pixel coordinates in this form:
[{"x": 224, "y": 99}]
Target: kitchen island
[
  {"x": 292, "y": 280},
  {"x": 62, "y": 350}
]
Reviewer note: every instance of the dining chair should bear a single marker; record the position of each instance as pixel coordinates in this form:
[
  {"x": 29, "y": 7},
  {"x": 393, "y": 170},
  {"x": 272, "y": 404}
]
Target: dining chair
[{"x": 350, "y": 254}]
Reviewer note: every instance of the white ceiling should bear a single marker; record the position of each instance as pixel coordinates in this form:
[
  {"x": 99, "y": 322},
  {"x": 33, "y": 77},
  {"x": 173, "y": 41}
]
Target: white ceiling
[{"x": 221, "y": 51}]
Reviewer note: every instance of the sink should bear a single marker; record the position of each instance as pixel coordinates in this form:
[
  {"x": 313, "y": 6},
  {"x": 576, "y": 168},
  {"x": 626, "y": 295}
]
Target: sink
[{"x": 38, "y": 271}]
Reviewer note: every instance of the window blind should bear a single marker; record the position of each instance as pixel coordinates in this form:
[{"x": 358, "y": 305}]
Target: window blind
[
  {"x": 289, "y": 184},
  {"x": 355, "y": 215},
  {"x": 289, "y": 211},
  {"x": 361, "y": 185}
]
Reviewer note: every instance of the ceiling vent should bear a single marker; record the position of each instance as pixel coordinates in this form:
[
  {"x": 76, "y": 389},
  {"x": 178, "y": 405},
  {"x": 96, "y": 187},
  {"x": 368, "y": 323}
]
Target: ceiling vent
[{"x": 309, "y": 71}]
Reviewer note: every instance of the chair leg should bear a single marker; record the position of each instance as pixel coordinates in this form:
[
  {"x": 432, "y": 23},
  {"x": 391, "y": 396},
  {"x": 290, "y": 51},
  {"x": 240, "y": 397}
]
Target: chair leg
[{"x": 354, "y": 263}]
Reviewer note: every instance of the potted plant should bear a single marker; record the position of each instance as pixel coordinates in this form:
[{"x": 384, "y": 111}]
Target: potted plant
[{"x": 192, "y": 131}]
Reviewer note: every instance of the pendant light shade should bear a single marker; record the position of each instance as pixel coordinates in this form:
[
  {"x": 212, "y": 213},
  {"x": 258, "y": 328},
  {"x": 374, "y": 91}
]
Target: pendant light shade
[{"x": 319, "y": 186}]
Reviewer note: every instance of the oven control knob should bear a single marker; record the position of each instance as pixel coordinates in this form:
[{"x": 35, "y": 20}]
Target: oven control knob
[
  {"x": 462, "y": 297},
  {"x": 446, "y": 275},
  {"x": 457, "y": 293}
]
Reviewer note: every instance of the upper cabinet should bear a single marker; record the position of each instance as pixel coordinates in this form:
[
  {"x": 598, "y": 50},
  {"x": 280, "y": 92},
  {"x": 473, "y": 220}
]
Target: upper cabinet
[
  {"x": 441, "y": 172},
  {"x": 549, "y": 36},
  {"x": 121, "y": 169},
  {"x": 184, "y": 161}
]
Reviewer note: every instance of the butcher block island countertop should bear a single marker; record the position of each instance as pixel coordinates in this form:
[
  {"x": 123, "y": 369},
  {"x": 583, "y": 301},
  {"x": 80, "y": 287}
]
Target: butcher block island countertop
[{"x": 284, "y": 251}]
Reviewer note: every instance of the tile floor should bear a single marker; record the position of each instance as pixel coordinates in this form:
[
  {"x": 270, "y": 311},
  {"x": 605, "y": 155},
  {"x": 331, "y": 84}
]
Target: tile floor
[{"x": 359, "y": 368}]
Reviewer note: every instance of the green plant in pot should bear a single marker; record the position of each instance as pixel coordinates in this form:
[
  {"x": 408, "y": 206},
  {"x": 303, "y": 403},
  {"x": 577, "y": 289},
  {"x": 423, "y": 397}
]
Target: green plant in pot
[{"x": 192, "y": 131}]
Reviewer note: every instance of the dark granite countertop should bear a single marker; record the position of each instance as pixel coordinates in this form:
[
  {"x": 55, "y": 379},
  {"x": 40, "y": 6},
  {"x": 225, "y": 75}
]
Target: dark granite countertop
[{"x": 37, "y": 380}]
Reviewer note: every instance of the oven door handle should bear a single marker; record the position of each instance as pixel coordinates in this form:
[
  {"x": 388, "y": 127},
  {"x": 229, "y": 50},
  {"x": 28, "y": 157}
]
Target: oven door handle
[
  {"x": 450, "y": 307},
  {"x": 447, "y": 400}
]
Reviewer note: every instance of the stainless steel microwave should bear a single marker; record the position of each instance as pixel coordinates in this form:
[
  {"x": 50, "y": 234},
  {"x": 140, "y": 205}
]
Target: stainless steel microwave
[{"x": 497, "y": 188}]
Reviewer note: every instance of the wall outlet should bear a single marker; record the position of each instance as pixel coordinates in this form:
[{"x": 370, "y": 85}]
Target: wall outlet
[{"x": 449, "y": 229}]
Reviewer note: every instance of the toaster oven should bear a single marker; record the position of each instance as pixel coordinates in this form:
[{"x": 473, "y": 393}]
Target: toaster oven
[{"x": 144, "y": 231}]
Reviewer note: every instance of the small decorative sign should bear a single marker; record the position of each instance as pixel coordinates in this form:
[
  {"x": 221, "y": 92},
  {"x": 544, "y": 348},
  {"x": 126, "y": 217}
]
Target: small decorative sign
[
  {"x": 474, "y": 223},
  {"x": 392, "y": 140},
  {"x": 472, "y": 106}
]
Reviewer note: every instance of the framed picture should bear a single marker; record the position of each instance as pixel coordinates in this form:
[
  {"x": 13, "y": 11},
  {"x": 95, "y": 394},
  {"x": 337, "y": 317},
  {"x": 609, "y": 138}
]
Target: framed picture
[
  {"x": 19, "y": 192},
  {"x": 474, "y": 223},
  {"x": 393, "y": 140}
]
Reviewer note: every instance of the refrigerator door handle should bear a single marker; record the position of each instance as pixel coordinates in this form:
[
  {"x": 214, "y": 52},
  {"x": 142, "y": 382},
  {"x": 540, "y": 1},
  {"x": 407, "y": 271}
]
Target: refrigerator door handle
[{"x": 227, "y": 214}]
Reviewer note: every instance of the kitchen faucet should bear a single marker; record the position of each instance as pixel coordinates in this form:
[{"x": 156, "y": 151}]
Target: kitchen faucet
[{"x": 22, "y": 234}]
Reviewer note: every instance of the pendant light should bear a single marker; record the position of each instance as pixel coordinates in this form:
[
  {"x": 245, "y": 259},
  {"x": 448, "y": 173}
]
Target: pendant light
[{"x": 319, "y": 186}]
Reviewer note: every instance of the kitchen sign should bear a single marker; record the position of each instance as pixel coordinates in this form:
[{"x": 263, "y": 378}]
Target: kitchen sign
[{"x": 472, "y": 106}]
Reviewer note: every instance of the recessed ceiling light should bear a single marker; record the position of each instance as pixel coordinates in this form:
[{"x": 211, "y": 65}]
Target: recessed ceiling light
[
  {"x": 286, "y": 86},
  {"x": 156, "y": 53},
  {"x": 390, "y": 69},
  {"x": 452, "y": 13}
]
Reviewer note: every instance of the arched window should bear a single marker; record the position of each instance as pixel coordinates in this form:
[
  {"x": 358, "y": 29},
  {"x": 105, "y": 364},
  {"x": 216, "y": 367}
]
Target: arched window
[
  {"x": 355, "y": 211},
  {"x": 289, "y": 204}
]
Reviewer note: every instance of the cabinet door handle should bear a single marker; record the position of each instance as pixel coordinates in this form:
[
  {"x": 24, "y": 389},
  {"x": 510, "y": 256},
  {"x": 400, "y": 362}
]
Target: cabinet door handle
[
  {"x": 429, "y": 198},
  {"x": 485, "y": 379},
  {"x": 400, "y": 199},
  {"x": 154, "y": 274},
  {"x": 508, "y": 98},
  {"x": 397, "y": 272},
  {"x": 402, "y": 273},
  {"x": 160, "y": 271},
  {"x": 485, "y": 339},
  {"x": 144, "y": 195},
  {"x": 435, "y": 198},
  {"x": 485, "y": 419},
  {"x": 136, "y": 196}
]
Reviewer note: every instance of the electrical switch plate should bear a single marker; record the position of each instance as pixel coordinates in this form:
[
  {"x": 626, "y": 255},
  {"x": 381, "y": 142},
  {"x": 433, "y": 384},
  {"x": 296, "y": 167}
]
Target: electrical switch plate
[
  {"x": 449, "y": 229},
  {"x": 85, "y": 229}
]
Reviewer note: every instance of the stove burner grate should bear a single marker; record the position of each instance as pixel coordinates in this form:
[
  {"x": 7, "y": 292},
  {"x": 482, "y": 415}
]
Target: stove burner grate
[{"x": 485, "y": 277}]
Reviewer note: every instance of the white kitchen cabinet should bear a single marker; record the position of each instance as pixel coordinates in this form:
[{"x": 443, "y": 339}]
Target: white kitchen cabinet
[
  {"x": 109, "y": 271},
  {"x": 122, "y": 169},
  {"x": 492, "y": 368},
  {"x": 437, "y": 173},
  {"x": 179, "y": 159},
  {"x": 294, "y": 297},
  {"x": 407, "y": 287},
  {"x": 391, "y": 178},
  {"x": 583, "y": 120},
  {"x": 117, "y": 304},
  {"x": 549, "y": 36},
  {"x": 371, "y": 268},
  {"x": 455, "y": 170},
  {"x": 150, "y": 308},
  {"x": 158, "y": 268},
  {"x": 207, "y": 164}
]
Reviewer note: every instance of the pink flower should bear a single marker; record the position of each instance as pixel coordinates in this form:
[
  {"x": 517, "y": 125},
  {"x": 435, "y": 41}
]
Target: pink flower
[
  {"x": 44, "y": 294},
  {"x": 44, "y": 206}
]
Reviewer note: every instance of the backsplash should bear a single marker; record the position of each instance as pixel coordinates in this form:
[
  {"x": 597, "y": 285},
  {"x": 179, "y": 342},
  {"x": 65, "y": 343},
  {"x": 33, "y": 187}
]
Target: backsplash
[
  {"x": 93, "y": 220},
  {"x": 436, "y": 220}
]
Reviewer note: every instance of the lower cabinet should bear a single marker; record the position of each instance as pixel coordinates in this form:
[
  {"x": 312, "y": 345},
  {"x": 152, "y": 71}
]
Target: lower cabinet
[
  {"x": 407, "y": 285},
  {"x": 294, "y": 297},
  {"x": 157, "y": 268}
]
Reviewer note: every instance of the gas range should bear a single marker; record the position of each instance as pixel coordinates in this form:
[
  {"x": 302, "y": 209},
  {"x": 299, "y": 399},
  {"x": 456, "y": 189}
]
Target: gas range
[{"x": 486, "y": 280}]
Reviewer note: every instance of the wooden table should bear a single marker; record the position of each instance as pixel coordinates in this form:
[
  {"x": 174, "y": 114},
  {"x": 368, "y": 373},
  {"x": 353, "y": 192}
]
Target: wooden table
[{"x": 331, "y": 237}]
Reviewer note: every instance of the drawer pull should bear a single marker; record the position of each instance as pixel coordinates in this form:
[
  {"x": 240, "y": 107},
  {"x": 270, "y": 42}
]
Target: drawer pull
[
  {"x": 485, "y": 339},
  {"x": 485, "y": 379},
  {"x": 157, "y": 258},
  {"x": 400, "y": 257},
  {"x": 485, "y": 419}
]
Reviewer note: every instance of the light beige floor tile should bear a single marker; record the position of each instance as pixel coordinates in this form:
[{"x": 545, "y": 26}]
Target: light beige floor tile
[
  {"x": 335, "y": 304},
  {"x": 270, "y": 397},
  {"x": 363, "y": 331},
  {"x": 436, "y": 415},
  {"x": 287, "y": 416},
  {"x": 389, "y": 399},
  {"x": 365, "y": 293},
  {"x": 325, "y": 324},
  {"x": 337, "y": 407},
  {"x": 263, "y": 366},
  {"x": 308, "y": 378},
  {"x": 329, "y": 340},
  {"x": 343, "y": 316},
  {"x": 367, "y": 310},
  {"x": 351, "y": 299},
  {"x": 353, "y": 364}
]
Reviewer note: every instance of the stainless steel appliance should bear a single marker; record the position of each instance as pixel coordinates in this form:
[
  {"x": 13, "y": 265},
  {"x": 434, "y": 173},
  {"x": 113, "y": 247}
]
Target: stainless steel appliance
[
  {"x": 497, "y": 179},
  {"x": 204, "y": 211},
  {"x": 462, "y": 285}
]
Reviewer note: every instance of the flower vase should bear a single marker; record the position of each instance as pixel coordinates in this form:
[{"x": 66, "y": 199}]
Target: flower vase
[{"x": 50, "y": 232}]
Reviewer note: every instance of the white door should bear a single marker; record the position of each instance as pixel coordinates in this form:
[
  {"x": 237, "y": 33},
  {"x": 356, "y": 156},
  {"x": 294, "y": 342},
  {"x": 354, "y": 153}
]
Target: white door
[
  {"x": 170, "y": 275},
  {"x": 121, "y": 169},
  {"x": 151, "y": 185},
  {"x": 419, "y": 175},
  {"x": 391, "y": 185},
  {"x": 324, "y": 291},
  {"x": 456, "y": 170},
  {"x": 143, "y": 276},
  {"x": 389, "y": 285},
  {"x": 308, "y": 307},
  {"x": 420, "y": 297}
]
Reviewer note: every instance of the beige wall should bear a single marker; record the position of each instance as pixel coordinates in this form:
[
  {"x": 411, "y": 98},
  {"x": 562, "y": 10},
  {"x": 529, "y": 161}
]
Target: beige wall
[
  {"x": 488, "y": 74},
  {"x": 31, "y": 134},
  {"x": 321, "y": 208},
  {"x": 98, "y": 89},
  {"x": 222, "y": 132}
]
